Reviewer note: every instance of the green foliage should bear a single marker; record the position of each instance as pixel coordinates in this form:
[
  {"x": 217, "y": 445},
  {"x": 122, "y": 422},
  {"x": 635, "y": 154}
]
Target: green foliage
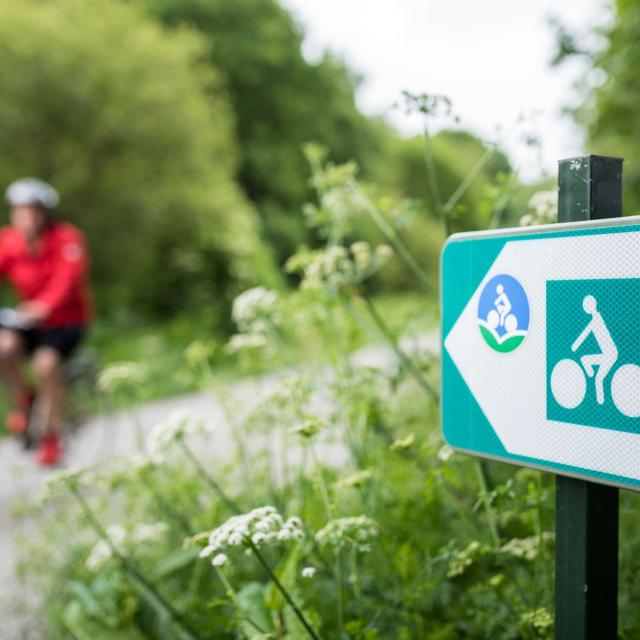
[
  {"x": 378, "y": 529},
  {"x": 455, "y": 154},
  {"x": 611, "y": 90},
  {"x": 141, "y": 147},
  {"x": 280, "y": 101}
]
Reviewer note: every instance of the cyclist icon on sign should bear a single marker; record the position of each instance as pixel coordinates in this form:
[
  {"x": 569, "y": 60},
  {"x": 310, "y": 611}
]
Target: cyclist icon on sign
[
  {"x": 502, "y": 304},
  {"x": 568, "y": 380},
  {"x": 608, "y": 350}
]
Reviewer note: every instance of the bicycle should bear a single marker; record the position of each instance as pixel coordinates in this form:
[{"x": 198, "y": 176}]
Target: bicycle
[
  {"x": 79, "y": 373},
  {"x": 569, "y": 386}
]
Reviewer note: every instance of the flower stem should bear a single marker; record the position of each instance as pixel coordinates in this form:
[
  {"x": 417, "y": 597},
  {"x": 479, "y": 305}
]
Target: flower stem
[
  {"x": 207, "y": 478},
  {"x": 231, "y": 594},
  {"x": 406, "y": 361},
  {"x": 130, "y": 568},
  {"x": 283, "y": 591},
  {"x": 433, "y": 180},
  {"x": 393, "y": 239},
  {"x": 484, "y": 494},
  {"x": 166, "y": 506}
]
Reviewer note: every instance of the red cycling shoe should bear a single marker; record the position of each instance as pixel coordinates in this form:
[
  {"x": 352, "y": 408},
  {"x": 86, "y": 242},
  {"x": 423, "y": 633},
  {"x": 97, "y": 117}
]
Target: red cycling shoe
[
  {"x": 50, "y": 450},
  {"x": 17, "y": 420}
]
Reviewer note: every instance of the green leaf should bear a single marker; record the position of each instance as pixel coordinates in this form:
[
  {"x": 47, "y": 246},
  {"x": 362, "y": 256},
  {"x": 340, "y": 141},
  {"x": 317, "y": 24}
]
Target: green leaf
[
  {"x": 82, "y": 627},
  {"x": 252, "y": 610},
  {"x": 287, "y": 572}
]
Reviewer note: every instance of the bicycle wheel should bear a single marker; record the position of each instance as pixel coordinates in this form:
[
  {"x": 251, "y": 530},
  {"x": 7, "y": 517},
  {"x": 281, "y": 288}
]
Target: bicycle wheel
[
  {"x": 625, "y": 390},
  {"x": 568, "y": 383},
  {"x": 493, "y": 319},
  {"x": 510, "y": 323}
]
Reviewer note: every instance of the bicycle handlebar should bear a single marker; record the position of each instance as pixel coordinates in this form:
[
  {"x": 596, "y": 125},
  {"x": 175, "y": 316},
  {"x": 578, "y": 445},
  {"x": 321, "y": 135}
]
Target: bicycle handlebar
[{"x": 12, "y": 319}]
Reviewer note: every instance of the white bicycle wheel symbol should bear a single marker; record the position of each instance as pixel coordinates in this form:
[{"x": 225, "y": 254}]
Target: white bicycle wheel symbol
[
  {"x": 569, "y": 387},
  {"x": 510, "y": 322}
]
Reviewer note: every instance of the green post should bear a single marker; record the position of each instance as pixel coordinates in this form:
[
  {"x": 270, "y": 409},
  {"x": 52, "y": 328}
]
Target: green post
[{"x": 589, "y": 188}]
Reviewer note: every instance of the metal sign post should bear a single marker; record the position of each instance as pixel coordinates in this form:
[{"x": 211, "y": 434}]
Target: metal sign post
[
  {"x": 589, "y": 188},
  {"x": 541, "y": 368}
]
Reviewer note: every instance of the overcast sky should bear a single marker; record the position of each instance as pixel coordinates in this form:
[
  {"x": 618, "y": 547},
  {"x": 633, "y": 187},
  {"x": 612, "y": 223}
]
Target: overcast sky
[{"x": 491, "y": 57}]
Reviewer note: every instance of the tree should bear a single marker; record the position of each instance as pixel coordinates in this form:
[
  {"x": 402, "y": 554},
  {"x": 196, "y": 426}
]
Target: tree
[
  {"x": 609, "y": 112},
  {"x": 137, "y": 134},
  {"x": 281, "y": 101}
]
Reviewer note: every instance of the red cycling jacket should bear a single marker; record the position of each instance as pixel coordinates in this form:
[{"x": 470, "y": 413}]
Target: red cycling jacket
[{"x": 55, "y": 274}]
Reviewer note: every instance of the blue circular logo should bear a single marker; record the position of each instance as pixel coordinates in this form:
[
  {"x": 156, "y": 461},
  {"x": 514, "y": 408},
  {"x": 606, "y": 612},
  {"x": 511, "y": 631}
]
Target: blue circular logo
[{"x": 503, "y": 313}]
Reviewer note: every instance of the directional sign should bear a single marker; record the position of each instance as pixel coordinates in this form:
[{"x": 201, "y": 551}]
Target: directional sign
[{"x": 541, "y": 347}]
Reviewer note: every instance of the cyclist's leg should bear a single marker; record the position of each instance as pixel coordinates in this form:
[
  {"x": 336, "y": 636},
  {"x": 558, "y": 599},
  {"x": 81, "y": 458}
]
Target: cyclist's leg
[
  {"x": 47, "y": 366},
  {"x": 588, "y": 362},
  {"x": 12, "y": 360},
  {"x": 603, "y": 370},
  {"x": 54, "y": 347}
]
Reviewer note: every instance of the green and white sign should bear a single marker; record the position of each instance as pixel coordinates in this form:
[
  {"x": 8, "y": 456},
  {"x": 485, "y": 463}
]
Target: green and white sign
[{"x": 541, "y": 347}]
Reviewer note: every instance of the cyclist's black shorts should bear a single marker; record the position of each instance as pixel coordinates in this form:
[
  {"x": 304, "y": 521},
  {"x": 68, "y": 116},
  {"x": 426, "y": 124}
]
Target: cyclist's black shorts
[{"x": 63, "y": 339}]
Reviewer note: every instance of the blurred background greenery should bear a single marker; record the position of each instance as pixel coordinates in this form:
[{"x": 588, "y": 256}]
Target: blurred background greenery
[{"x": 174, "y": 131}]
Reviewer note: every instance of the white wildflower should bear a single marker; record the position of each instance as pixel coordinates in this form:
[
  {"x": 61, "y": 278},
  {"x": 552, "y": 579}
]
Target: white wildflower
[
  {"x": 103, "y": 550},
  {"x": 540, "y": 619},
  {"x": 199, "y": 352},
  {"x": 356, "y": 479},
  {"x": 308, "y": 428},
  {"x": 255, "y": 308},
  {"x": 121, "y": 375},
  {"x": 260, "y": 527},
  {"x": 354, "y": 532},
  {"x": 526, "y": 548},
  {"x": 544, "y": 206},
  {"x": 336, "y": 266},
  {"x": 445, "y": 453},
  {"x": 65, "y": 480},
  {"x": 463, "y": 559},
  {"x": 118, "y": 538},
  {"x": 403, "y": 443},
  {"x": 308, "y": 572},
  {"x": 149, "y": 532},
  {"x": 245, "y": 342},
  {"x": 219, "y": 560},
  {"x": 178, "y": 425}
]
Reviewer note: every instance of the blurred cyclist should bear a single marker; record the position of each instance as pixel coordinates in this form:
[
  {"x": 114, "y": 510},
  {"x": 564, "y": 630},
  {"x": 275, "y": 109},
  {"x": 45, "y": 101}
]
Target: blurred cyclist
[{"x": 46, "y": 262}]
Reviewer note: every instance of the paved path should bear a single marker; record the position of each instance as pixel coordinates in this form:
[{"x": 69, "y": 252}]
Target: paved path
[{"x": 111, "y": 435}]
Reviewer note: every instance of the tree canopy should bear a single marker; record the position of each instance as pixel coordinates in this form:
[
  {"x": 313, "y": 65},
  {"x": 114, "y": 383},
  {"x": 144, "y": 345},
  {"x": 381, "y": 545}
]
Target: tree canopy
[
  {"x": 135, "y": 130},
  {"x": 281, "y": 101},
  {"x": 612, "y": 89}
]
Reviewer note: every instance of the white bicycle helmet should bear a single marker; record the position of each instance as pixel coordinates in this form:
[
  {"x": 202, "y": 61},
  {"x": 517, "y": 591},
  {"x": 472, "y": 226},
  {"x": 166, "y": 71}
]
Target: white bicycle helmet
[{"x": 32, "y": 191}]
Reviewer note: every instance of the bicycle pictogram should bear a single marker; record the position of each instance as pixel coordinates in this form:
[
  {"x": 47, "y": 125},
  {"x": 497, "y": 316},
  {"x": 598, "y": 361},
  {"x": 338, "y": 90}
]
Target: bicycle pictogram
[{"x": 569, "y": 377}]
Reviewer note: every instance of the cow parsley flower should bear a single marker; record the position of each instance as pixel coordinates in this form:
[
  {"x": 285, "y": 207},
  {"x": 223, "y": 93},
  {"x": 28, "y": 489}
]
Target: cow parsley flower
[
  {"x": 255, "y": 308},
  {"x": 356, "y": 479},
  {"x": 178, "y": 425},
  {"x": 526, "y": 548},
  {"x": 445, "y": 453},
  {"x": 355, "y": 532},
  {"x": 461, "y": 560},
  {"x": 103, "y": 551},
  {"x": 245, "y": 342},
  {"x": 121, "y": 375},
  {"x": 65, "y": 480},
  {"x": 219, "y": 559},
  {"x": 337, "y": 267},
  {"x": 199, "y": 352},
  {"x": 403, "y": 443},
  {"x": 308, "y": 428},
  {"x": 122, "y": 540},
  {"x": 544, "y": 207},
  {"x": 261, "y": 527}
]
